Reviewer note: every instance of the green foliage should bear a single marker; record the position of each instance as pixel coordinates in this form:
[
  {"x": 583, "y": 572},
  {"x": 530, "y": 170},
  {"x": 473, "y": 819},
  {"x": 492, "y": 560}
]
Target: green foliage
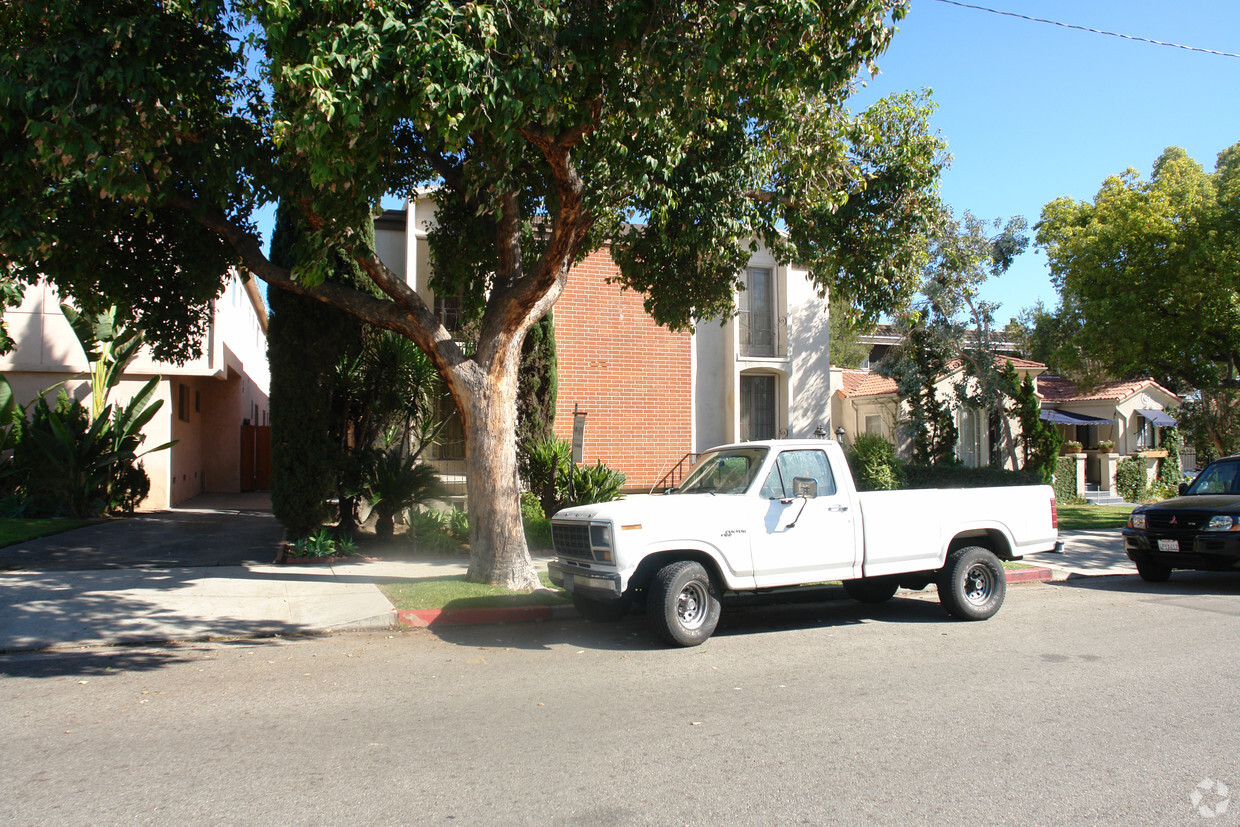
[
  {"x": 1170, "y": 472},
  {"x": 537, "y": 385},
  {"x": 1065, "y": 480},
  {"x": 557, "y": 483},
  {"x": 108, "y": 344},
  {"x": 537, "y": 524},
  {"x": 1210, "y": 423},
  {"x": 544, "y": 126},
  {"x": 307, "y": 341},
  {"x": 1131, "y": 480},
  {"x": 1175, "y": 236},
  {"x": 847, "y": 349},
  {"x": 874, "y": 464},
  {"x": 438, "y": 532},
  {"x": 63, "y": 462},
  {"x": 324, "y": 543},
  {"x": 959, "y": 476},
  {"x": 393, "y": 482},
  {"x": 1039, "y": 439}
]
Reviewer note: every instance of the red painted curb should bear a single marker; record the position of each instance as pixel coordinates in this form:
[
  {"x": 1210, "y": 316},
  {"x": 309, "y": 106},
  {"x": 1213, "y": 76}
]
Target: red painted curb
[
  {"x": 453, "y": 617},
  {"x": 1028, "y": 575}
]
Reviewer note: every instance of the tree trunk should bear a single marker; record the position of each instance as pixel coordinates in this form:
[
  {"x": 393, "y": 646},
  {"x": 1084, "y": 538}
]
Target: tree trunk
[{"x": 498, "y": 552}]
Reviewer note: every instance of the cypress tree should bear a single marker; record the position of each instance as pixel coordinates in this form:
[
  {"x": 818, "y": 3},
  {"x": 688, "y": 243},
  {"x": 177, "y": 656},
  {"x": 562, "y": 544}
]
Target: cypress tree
[{"x": 306, "y": 341}]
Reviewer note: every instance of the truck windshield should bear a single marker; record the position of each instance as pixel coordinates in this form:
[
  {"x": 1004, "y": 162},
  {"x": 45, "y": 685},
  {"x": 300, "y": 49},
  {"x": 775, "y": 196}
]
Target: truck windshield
[
  {"x": 724, "y": 472},
  {"x": 1217, "y": 478}
]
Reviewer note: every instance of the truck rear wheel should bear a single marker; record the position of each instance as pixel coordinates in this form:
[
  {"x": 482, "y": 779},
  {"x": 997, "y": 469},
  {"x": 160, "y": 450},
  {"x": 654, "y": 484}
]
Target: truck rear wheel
[
  {"x": 683, "y": 605},
  {"x": 601, "y": 611},
  {"x": 871, "y": 589},
  {"x": 972, "y": 584}
]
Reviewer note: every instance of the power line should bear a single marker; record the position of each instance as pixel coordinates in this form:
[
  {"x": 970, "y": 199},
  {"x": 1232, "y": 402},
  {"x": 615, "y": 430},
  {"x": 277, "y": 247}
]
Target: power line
[{"x": 1087, "y": 29}]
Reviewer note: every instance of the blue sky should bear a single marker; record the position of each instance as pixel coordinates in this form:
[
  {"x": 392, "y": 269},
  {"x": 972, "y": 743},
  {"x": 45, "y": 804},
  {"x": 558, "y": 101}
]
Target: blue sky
[{"x": 1033, "y": 111}]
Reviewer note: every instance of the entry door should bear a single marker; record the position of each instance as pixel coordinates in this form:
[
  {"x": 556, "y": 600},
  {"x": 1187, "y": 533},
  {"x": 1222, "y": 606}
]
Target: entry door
[
  {"x": 799, "y": 539},
  {"x": 757, "y": 407}
]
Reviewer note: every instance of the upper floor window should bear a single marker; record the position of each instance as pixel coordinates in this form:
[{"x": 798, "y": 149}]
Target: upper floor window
[{"x": 759, "y": 330}]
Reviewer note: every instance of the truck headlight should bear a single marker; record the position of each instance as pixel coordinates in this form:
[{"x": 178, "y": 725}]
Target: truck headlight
[
  {"x": 1221, "y": 522},
  {"x": 600, "y": 542},
  {"x": 1136, "y": 520}
]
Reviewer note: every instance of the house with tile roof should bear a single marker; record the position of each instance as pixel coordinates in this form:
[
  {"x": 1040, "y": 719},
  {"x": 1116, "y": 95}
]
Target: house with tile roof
[
  {"x": 863, "y": 402},
  {"x": 1110, "y": 421}
]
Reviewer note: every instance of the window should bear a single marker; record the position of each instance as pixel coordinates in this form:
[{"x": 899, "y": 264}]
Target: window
[
  {"x": 183, "y": 402},
  {"x": 757, "y": 407},
  {"x": 448, "y": 311},
  {"x": 792, "y": 464},
  {"x": 874, "y": 424},
  {"x": 758, "y": 313}
]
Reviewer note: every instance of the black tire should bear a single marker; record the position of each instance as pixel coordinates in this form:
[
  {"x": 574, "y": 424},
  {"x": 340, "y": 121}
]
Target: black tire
[
  {"x": 601, "y": 611},
  {"x": 972, "y": 583},
  {"x": 1152, "y": 572},
  {"x": 871, "y": 589},
  {"x": 682, "y": 604}
]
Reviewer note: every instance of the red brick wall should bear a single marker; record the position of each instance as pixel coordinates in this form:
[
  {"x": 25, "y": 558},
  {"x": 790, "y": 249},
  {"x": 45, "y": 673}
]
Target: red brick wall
[{"x": 631, "y": 376}]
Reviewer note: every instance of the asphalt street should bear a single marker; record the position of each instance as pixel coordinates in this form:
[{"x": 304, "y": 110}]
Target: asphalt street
[{"x": 1086, "y": 701}]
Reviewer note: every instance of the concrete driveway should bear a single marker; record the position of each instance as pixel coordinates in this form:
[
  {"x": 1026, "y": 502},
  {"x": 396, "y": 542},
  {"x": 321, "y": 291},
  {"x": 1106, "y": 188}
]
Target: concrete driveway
[{"x": 209, "y": 530}]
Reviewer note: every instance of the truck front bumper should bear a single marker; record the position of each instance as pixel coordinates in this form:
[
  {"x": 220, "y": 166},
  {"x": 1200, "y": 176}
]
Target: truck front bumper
[
  {"x": 584, "y": 581},
  {"x": 1205, "y": 551}
]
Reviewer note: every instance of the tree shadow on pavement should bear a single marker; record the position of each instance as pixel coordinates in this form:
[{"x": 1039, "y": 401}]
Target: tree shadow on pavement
[{"x": 106, "y": 661}]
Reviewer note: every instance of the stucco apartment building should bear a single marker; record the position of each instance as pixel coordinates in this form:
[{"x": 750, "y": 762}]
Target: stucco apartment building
[
  {"x": 653, "y": 397},
  {"x": 212, "y": 405}
]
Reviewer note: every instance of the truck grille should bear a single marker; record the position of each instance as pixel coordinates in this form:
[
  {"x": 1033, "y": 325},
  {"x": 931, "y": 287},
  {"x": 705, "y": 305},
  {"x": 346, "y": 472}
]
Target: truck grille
[
  {"x": 571, "y": 540},
  {"x": 1183, "y": 521}
]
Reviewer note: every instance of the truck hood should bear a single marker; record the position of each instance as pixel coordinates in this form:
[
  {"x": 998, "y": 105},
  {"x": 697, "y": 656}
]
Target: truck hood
[
  {"x": 1218, "y": 503},
  {"x": 643, "y": 509}
]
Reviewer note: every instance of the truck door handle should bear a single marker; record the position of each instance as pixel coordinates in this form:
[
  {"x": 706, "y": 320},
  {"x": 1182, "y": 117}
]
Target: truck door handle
[{"x": 838, "y": 508}]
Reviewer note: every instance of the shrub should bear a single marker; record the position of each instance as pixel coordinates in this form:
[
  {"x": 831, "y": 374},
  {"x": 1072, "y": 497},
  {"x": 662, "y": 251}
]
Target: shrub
[
  {"x": 323, "y": 543},
  {"x": 394, "y": 482},
  {"x": 1130, "y": 479},
  {"x": 431, "y": 532},
  {"x": 1065, "y": 480},
  {"x": 553, "y": 479},
  {"x": 874, "y": 464},
  {"x": 958, "y": 476}
]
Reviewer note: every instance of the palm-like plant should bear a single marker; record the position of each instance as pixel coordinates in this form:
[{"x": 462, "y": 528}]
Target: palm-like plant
[{"x": 394, "y": 482}]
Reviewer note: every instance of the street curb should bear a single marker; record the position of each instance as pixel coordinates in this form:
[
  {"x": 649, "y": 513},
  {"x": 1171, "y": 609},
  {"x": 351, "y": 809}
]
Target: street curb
[
  {"x": 1029, "y": 575},
  {"x": 435, "y": 618}
]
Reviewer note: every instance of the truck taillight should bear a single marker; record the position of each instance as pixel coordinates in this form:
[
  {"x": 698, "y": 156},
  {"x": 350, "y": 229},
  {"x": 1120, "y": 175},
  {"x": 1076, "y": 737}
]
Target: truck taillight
[{"x": 1054, "y": 515}]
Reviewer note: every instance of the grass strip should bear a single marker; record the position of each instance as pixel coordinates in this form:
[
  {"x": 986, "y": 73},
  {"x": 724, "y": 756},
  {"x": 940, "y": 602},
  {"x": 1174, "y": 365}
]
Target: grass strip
[
  {"x": 13, "y": 530},
  {"x": 1074, "y": 517},
  {"x": 458, "y": 593}
]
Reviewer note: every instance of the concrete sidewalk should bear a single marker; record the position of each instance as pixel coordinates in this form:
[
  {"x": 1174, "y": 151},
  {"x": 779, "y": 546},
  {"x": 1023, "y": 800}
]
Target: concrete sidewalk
[
  {"x": 1086, "y": 553},
  {"x": 120, "y": 581}
]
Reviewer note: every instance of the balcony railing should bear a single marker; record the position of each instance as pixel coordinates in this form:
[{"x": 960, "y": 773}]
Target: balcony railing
[{"x": 760, "y": 340}]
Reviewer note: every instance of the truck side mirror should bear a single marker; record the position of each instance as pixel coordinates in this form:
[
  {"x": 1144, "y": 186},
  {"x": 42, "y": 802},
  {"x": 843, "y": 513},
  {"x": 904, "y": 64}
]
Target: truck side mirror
[{"x": 806, "y": 487}]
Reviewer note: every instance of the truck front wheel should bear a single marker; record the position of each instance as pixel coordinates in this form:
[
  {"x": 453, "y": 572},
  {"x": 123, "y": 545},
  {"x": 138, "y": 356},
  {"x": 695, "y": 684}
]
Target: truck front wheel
[
  {"x": 682, "y": 604},
  {"x": 972, "y": 583}
]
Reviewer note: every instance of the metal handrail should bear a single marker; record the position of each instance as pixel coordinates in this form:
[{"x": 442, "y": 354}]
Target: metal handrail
[{"x": 676, "y": 474}]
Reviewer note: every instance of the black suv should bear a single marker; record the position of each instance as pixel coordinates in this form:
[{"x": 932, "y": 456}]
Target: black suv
[{"x": 1200, "y": 529}]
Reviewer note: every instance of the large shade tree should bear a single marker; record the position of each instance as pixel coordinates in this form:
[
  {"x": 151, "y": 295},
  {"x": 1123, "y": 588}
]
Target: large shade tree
[
  {"x": 137, "y": 137},
  {"x": 1149, "y": 275}
]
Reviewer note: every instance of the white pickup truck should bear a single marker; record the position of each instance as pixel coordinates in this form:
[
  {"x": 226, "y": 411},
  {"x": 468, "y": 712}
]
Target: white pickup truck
[{"x": 762, "y": 516}]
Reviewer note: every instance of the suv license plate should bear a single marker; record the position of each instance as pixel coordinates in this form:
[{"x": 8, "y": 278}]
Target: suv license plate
[{"x": 1168, "y": 545}]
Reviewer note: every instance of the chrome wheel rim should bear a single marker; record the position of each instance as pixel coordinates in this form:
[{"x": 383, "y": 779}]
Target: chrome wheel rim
[
  {"x": 979, "y": 584},
  {"x": 691, "y": 605}
]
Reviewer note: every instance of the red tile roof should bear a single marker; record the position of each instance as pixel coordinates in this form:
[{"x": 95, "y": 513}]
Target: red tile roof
[
  {"x": 865, "y": 383},
  {"x": 1058, "y": 389}
]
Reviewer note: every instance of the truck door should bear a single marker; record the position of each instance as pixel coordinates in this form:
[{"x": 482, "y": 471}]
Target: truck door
[{"x": 801, "y": 539}]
